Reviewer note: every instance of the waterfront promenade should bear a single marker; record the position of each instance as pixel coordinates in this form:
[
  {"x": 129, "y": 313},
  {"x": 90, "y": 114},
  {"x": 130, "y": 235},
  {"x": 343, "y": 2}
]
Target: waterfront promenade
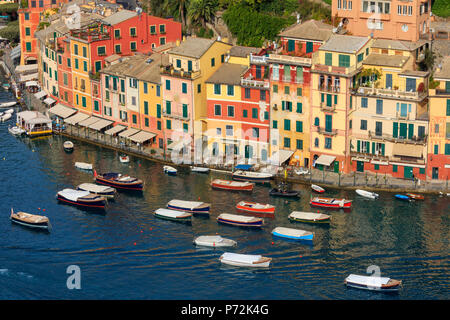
[{"x": 328, "y": 179}]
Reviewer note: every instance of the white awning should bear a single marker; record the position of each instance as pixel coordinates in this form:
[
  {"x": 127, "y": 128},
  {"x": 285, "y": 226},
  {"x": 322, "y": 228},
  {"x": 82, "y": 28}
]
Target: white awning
[
  {"x": 15, "y": 52},
  {"x": 116, "y": 129},
  {"x": 325, "y": 160},
  {"x": 28, "y": 77},
  {"x": 87, "y": 122},
  {"x": 128, "y": 132},
  {"x": 280, "y": 156},
  {"x": 26, "y": 68},
  {"x": 99, "y": 125},
  {"x": 49, "y": 100},
  {"x": 76, "y": 118},
  {"x": 40, "y": 94},
  {"x": 61, "y": 110},
  {"x": 31, "y": 83},
  {"x": 142, "y": 136},
  {"x": 178, "y": 145}
]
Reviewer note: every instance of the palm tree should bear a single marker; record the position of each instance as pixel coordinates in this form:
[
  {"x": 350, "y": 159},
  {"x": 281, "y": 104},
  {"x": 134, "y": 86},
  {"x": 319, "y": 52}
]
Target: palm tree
[{"x": 202, "y": 11}]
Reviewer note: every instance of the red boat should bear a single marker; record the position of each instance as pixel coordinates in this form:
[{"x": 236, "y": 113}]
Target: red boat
[
  {"x": 232, "y": 185},
  {"x": 415, "y": 196},
  {"x": 331, "y": 203},
  {"x": 254, "y": 207}
]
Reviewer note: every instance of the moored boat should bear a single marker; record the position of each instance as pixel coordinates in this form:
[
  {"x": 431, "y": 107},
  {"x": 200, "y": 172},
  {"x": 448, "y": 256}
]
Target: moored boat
[
  {"x": 214, "y": 241},
  {"x": 30, "y": 220},
  {"x": 119, "y": 181},
  {"x": 373, "y": 283},
  {"x": 83, "y": 165},
  {"x": 282, "y": 190},
  {"x": 232, "y": 185},
  {"x": 292, "y": 234},
  {"x": 309, "y": 217},
  {"x": 173, "y": 215},
  {"x": 255, "y": 207},
  {"x": 317, "y": 188},
  {"x": 241, "y": 221},
  {"x": 245, "y": 260},
  {"x": 81, "y": 198},
  {"x": 68, "y": 146},
  {"x": 367, "y": 194},
  {"x": 7, "y": 104},
  {"x": 402, "y": 197},
  {"x": 415, "y": 196},
  {"x": 103, "y": 191},
  {"x": 170, "y": 170},
  {"x": 16, "y": 131},
  {"x": 124, "y": 158},
  {"x": 189, "y": 206},
  {"x": 11, "y": 111},
  {"x": 252, "y": 176},
  {"x": 199, "y": 169},
  {"x": 331, "y": 203},
  {"x": 5, "y": 117}
]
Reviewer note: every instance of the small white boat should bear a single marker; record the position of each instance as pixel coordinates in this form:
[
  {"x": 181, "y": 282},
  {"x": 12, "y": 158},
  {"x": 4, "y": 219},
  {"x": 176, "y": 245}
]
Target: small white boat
[
  {"x": 170, "y": 170},
  {"x": 104, "y": 191},
  {"x": 317, "y": 188},
  {"x": 16, "y": 130},
  {"x": 173, "y": 215},
  {"x": 373, "y": 283},
  {"x": 252, "y": 176},
  {"x": 367, "y": 194},
  {"x": 309, "y": 217},
  {"x": 214, "y": 241},
  {"x": 7, "y": 104},
  {"x": 124, "y": 158},
  {"x": 30, "y": 220},
  {"x": 10, "y": 111},
  {"x": 83, "y": 165},
  {"x": 292, "y": 234},
  {"x": 245, "y": 260},
  {"x": 68, "y": 146},
  {"x": 301, "y": 171},
  {"x": 189, "y": 206},
  {"x": 241, "y": 221},
  {"x": 6, "y": 116},
  {"x": 199, "y": 169}
]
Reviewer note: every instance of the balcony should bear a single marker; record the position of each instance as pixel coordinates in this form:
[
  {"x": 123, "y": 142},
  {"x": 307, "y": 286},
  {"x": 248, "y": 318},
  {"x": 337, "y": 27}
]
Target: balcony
[
  {"x": 321, "y": 68},
  {"x": 283, "y": 59},
  {"x": 329, "y": 88},
  {"x": 324, "y": 107},
  {"x": 442, "y": 92},
  {"x": 324, "y": 131},
  {"x": 396, "y": 94},
  {"x": 388, "y": 137},
  {"x": 176, "y": 116},
  {"x": 258, "y": 59},
  {"x": 369, "y": 156},
  {"x": 171, "y": 71},
  {"x": 90, "y": 35},
  {"x": 255, "y": 83}
]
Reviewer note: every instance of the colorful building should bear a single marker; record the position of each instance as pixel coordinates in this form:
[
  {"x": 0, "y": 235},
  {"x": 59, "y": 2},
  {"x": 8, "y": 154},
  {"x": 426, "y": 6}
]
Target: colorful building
[
  {"x": 438, "y": 166},
  {"x": 393, "y": 19}
]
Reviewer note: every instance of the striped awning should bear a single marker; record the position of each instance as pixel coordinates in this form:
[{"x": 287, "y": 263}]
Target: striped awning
[
  {"x": 27, "y": 77},
  {"x": 40, "y": 94},
  {"x": 280, "y": 156},
  {"x": 26, "y": 68},
  {"x": 325, "y": 160},
  {"x": 407, "y": 150},
  {"x": 128, "y": 132},
  {"x": 73, "y": 120},
  {"x": 142, "y": 136},
  {"x": 89, "y": 121},
  {"x": 116, "y": 129},
  {"x": 49, "y": 100},
  {"x": 62, "y": 111},
  {"x": 99, "y": 125},
  {"x": 31, "y": 83},
  {"x": 15, "y": 52}
]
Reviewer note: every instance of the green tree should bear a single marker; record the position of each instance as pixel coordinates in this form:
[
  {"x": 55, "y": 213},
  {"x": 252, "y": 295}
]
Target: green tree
[
  {"x": 202, "y": 11},
  {"x": 428, "y": 61}
]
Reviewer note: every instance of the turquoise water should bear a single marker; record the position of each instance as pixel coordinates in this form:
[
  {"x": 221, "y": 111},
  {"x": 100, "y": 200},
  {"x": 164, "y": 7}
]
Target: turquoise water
[{"x": 127, "y": 253}]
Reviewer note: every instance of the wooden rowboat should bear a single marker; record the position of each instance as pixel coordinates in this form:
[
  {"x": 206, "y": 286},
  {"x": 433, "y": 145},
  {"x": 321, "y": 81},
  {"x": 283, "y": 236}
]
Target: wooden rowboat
[
  {"x": 415, "y": 196},
  {"x": 241, "y": 221},
  {"x": 173, "y": 215},
  {"x": 214, "y": 241},
  {"x": 119, "y": 181},
  {"x": 81, "y": 198},
  {"x": 232, "y": 185},
  {"x": 255, "y": 207},
  {"x": 292, "y": 234},
  {"x": 331, "y": 203},
  {"x": 245, "y": 260},
  {"x": 373, "y": 283},
  {"x": 309, "y": 217},
  {"x": 30, "y": 220},
  {"x": 103, "y": 191},
  {"x": 317, "y": 188}
]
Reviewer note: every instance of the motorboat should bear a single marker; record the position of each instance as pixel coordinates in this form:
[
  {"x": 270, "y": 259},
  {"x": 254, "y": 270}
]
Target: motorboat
[
  {"x": 30, "y": 220},
  {"x": 124, "y": 158},
  {"x": 81, "y": 198},
  {"x": 232, "y": 185},
  {"x": 5, "y": 117},
  {"x": 83, "y": 165},
  {"x": 254, "y": 207},
  {"x": 7, "y": 104},
  {"x": 367, "y": 194},
  {"x": 252, "y": 176},
  {"x": 215, "y": 241},
  {"x": 245, "y": 260},
  {"x": 402, "y": 197},
  {"x": 373, "y": 283},
  {"x": 17, "y": 131},
  {"x": 68, "y": 146},
  {"x": 119, "y": 181},
  {"x": 11, "y": 111},
  {"x": 331, "y": 203},
  {"x": 173, "y": 215},
  {"x": 415, "y": 196},
  {"x": 189, "y": 206},
  {"x": 309, "y": 217},
  {"x": 283, "y": 190},
  {"x": 199, "y": 169},
  {"x": 170, "y": 170},
  {"x": 241, "y": 221},
  {"x": 104, "y": 191},
  {"x": 292, "y": 234}
]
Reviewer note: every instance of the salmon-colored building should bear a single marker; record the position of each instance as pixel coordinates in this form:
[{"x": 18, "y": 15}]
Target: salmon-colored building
[{"x": 395, "y": 19}]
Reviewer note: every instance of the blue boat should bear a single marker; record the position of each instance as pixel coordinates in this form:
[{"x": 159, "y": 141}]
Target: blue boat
[
  {"x": 189, "y": 206},
  {"x": 170, "y": 170},
  {"x": 292, "y": 234},
  {"x": 402, "y": 197}
]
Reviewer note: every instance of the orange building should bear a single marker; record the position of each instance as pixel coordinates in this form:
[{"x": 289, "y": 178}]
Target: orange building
[{"x": 389, "y": 19}]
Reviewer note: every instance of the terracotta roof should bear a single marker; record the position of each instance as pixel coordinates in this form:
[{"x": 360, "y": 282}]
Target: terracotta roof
[
  {"x": 228, "y": 73},
  {"x": 310, "y": 30},
  {"x": 376, "y": 59}
]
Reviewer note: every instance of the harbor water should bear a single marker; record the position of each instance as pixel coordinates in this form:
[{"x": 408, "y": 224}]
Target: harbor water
[{"x": 128, "y": 253}]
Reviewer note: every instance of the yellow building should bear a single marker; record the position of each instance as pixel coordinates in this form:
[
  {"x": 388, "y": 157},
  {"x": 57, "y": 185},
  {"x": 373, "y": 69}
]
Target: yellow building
[
  {"x": 438, "y": 166},
  {"x": 81, "y": 83},
  {"x": 335, "y": 66}
]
